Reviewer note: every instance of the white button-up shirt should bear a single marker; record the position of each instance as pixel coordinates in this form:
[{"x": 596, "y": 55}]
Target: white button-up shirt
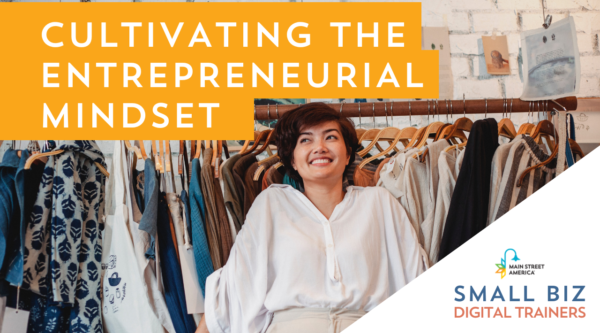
[{"x": 289, "y": 255}]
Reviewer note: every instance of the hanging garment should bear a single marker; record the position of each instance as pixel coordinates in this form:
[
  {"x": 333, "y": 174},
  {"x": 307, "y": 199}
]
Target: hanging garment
[
  {"x": 522, "y": 155},
  {"x": 300, "y": 259},
  {"x": 64, "y": 233},
  {"x": 391, "y": 177},
  {"x": 468, "y": 210},
  {"x": 13, "y": 210},
  {"x": 130, "y": 292},
  {"x": 378, "y": 171},
  {"x": 563, "y": 143},
  {"x": 219, "y": 234},
  {"x": 275, "y": 176},
  {"x": 313, "y": 320},
  {"x": 266, "y": 165},
  {"x": 224, "y": 227},
  {"x": 416, "y": 200},
  {"x": 138, "y": 180},
  {"x": 250, "y": 184},
  {"x": 351, "y": 169},
  {"x": 233, "y": 202},
  {"x": 148, "y": 221},
  {"x": 232, "y": 227},
  {"x": 364, "y": 177},
  {"x": 142, "y": 242},
  {"x": 171, "y": 269},
  {"x": 193, "y": 293},
  {"x": 185, "y": 199},
  {"x": 448, "y": 167},
  {"x": 246, "y": 192},
  {"x": 432, "y": 159},
  {"x": 498, "y": 166},
  {"x": 27, "y": 196},
  {"x": 202, "y": 257}
]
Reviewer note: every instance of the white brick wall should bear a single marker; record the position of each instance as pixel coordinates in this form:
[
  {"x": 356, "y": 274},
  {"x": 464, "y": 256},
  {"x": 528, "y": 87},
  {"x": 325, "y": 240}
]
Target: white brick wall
[
  {"x": 486, "y": 22},
  {"x": 511, "y": 17}
]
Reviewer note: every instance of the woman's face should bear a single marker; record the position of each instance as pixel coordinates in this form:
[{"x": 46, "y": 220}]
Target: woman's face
[{"x": 320, "y": 153}]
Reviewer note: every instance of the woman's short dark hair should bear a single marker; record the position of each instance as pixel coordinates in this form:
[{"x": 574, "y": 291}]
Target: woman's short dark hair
[{"x": 292, "y": 122}]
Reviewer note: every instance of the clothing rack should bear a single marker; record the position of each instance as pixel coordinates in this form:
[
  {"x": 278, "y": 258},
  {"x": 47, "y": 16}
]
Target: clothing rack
[{"x": 424, "y": 107}]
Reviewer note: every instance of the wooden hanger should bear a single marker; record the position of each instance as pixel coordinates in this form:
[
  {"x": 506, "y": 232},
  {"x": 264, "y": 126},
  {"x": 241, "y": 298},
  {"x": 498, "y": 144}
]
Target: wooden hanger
[
  {"x": 261, "y": 166},
  {"x": 416, "y": 137},
  {"x": 527, "y": 127},
  {"x": 268, "y": 140},
  {"x": 360, "y": 132},
  {"x": 506, "y": 128},
  {"x": 134, "y": 149},
  {"x": 443, "y": 130},
  {"x": 459, "y": 128},
  {"x": 157, "y": 161},
  {"x": 35, "y": 157},
  {"x": 461, "y": 125},
  {"x": 216, "y": 159},
  {"x": 256, "y": 135},
  {"x": 544, "y": 127},
  {"x": 180, "y": 157},
  {"x": 142, "y": 149},
  {"x": 576, "y": 149},
  {"x": 459, "y": 146},
  {"x": 369, "y": 135},
  {"x": 265, "y": 135},
  {"x": 168, "y": 160},
  {"x": 386, "y": 132},
  {"x": 247, "y": 142},
  {"x": 192, "y": 149},
  {"x": 199, "y": 149},
  {"x": 161, "y": 156},
  {"x": 429, "y": 131},
  {"x": 406, "y": 134}
]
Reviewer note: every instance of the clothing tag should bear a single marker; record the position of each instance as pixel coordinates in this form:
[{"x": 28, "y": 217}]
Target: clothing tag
[
  {"x": 15, "y": 321},
  {"x": 494, "y": 33}
]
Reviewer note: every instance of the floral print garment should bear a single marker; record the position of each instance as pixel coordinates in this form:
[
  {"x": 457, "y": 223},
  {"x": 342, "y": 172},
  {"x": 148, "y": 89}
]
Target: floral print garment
[{"x": 63, "y": 245}]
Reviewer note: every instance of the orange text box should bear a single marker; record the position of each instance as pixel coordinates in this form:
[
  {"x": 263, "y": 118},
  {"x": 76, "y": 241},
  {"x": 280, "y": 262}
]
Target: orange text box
[{"x": 173, "y": 62}]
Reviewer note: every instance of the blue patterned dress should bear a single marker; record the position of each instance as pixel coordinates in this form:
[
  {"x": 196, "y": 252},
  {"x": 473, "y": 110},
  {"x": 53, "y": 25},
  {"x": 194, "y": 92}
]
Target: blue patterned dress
[{"x": 63, "y": 242}]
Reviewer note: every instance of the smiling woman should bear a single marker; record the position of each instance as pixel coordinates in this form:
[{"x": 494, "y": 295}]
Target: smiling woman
[
  {"x": 316, "y": 144},
  {"x": 313, "y": 261}
]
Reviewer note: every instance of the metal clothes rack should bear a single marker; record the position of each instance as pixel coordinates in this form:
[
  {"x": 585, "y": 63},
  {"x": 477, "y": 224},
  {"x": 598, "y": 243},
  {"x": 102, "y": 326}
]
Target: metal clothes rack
[{"x": 424, "y": 107}]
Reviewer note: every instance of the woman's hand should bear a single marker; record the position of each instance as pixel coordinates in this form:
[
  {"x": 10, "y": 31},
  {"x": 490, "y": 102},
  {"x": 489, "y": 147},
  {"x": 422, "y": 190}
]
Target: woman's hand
[{"x": 202, "y": 328}]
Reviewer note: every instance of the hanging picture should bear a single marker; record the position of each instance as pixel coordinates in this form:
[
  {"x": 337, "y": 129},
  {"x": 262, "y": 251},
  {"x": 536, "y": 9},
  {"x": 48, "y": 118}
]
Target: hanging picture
[
  {"x": 495, "y": 49},
  {"x": 551, "y": 61}
]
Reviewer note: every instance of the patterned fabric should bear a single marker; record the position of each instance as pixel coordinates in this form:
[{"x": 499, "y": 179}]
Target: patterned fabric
[
  {"x": 204, "y": 264},
  {"x": 63, "y": 245}
]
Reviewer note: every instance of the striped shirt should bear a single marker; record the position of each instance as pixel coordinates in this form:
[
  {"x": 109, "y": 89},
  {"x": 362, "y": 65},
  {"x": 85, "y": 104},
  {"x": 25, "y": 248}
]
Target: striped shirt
[{"x": 522, "y": 155}]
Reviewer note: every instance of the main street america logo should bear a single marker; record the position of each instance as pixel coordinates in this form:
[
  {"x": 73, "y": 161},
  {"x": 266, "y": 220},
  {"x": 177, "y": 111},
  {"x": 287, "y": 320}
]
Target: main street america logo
[
  {"x": 505, "y": 268},
  {"x": 502, "y": 265}
]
